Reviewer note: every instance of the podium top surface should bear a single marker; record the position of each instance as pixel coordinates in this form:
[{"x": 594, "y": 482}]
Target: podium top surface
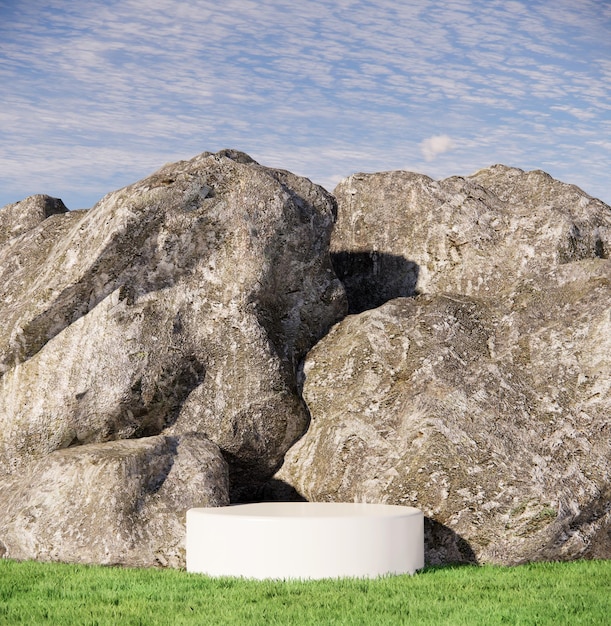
[{"x": 309, "y": 510}]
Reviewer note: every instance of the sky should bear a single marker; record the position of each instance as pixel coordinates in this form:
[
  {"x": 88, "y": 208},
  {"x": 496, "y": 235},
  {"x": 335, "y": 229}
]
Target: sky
[{"x": 97, "y": 94}]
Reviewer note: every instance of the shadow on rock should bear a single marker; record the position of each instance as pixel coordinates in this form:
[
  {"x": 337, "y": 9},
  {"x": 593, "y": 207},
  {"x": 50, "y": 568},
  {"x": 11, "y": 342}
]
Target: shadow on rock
[
  {"x": 443, "y": 546},
  {"x": 275, "y": 490},
  {"x": 373, "y": 278}
]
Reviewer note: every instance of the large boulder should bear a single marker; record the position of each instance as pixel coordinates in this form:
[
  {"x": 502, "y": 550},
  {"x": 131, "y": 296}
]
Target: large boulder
[
  {"x": 121, "y": 502},
  {"x": 400, "y": 233},
  {"x": 180, "y": 304},
  {"x": 484, "y": 401}
]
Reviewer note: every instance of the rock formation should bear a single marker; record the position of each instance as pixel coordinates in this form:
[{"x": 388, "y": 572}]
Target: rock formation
[
  {"x": 173, "y": 314},
  {"x": 119, "y": 502},
  {"x": 153, "y": 358},
  {"x": 485, "y": 400},
  {"x": 400, "y": 233},
  {"x": 18, "y": 218}
]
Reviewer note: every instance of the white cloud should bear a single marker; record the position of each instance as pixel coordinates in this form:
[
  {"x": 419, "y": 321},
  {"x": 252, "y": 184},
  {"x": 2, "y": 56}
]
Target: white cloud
[{"x": 436, "y": 145}]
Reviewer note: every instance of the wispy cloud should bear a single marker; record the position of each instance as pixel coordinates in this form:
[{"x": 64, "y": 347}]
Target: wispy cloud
[{"x": 103, "y": 92}]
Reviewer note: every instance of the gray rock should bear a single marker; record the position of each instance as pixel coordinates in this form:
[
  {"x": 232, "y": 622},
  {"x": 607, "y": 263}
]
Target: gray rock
[
  {"x": 400, "y": 233},
  {"x": 151, "y": 359},
  {"x": 486, "y": 400},
  {"x": 18, "y": 218},
  {"x": 122, "y": 502},
  {"x": 495, "y": 423},
  {"x": 180, "y": 304}
]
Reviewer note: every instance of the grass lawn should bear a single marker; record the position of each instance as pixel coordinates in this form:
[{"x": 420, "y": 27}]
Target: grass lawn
[{"x": 544, "y": 593}]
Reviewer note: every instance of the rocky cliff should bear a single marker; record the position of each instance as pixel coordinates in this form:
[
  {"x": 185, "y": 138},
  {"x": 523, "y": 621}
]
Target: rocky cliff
[{"x": 169, "y": 348}]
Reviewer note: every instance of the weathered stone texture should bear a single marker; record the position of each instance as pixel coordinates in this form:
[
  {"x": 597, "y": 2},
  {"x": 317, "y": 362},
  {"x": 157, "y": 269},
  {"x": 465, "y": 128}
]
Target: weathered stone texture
[
  {"x": 121, "y": 502},
  {"x": 152, "y": 359},
  {"x": 485, "y": 400},
  {"x": 400, "y": 233},
  {"x": 180, "y": 304},
  {"x": 18, "y": 218}
]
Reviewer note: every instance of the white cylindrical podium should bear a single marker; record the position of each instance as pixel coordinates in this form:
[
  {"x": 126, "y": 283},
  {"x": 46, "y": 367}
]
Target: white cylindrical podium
[{"x": 305, "y": 540}]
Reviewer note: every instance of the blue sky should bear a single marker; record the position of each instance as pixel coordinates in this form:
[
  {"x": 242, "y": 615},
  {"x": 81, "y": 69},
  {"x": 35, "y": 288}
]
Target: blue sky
[{"x": 98, "y": 94}]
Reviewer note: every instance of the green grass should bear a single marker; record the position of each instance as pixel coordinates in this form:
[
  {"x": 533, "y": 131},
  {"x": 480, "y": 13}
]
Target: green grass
[{"x": 545, "y": 593}]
